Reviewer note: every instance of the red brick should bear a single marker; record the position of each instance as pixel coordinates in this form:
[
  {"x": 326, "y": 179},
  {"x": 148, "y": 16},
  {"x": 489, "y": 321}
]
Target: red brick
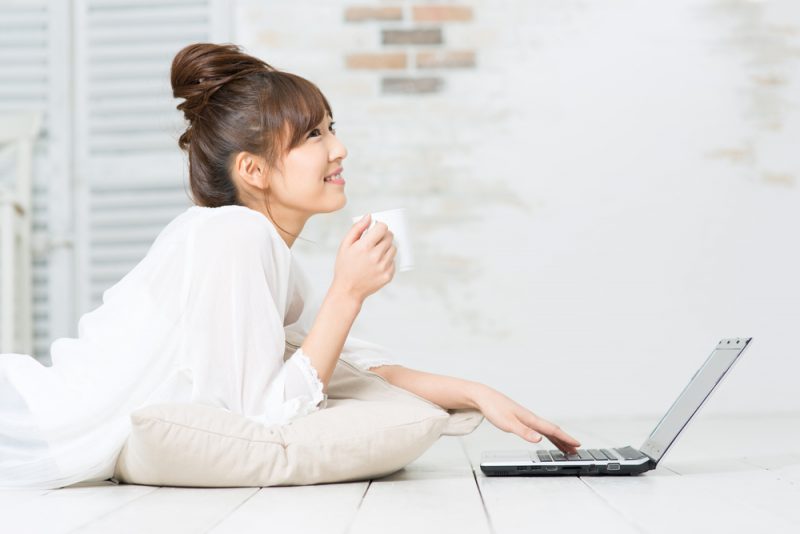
[
  {"x": 392, "y": 60},
  {"x": 365, "y": 13},
  {"x": 441, "y": 13},
  {"x": 446, "y": 59}
]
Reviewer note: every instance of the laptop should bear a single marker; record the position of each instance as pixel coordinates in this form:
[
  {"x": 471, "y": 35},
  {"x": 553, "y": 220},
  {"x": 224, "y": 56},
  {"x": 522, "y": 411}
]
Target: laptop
[{"x": 625, "y": 460}]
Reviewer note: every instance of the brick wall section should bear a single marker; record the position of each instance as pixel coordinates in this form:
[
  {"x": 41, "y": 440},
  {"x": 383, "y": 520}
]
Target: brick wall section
[
  {"x": 412, "y": 37},
  {"x": 364, "y": 13},
  {"x": 379, "y": 60},
  {"x": 411, "y": 85},
  {"x": 441, "y": 13},
  {"x": 422, "y": 40},
  {"x": 446, "y": 59}
]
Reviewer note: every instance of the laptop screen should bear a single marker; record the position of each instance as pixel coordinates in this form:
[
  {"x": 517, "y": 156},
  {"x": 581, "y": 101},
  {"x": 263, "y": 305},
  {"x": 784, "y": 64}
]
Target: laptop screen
[{"x": 693, "y": 396}]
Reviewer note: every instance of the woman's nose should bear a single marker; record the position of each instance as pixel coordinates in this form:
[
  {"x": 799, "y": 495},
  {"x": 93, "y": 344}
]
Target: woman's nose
[{"x": 338, "y": 150}]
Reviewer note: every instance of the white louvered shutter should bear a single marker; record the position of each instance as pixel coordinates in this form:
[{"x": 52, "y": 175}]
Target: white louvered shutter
[
  {"x": 131, "y": 175},
  {"x": 34, "y": 69}
]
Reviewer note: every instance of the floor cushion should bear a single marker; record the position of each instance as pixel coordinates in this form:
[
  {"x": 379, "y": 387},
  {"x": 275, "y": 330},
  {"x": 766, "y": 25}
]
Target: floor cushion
[{"x": 368, "y": 429}]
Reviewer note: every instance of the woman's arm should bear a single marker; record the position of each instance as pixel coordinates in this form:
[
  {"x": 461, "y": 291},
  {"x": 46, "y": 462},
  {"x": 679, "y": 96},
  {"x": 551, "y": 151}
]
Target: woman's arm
[
  {"x": 501, "y": 411},
  {"x": 325, "y": 340},
  {"x": 446, "y": 391}
]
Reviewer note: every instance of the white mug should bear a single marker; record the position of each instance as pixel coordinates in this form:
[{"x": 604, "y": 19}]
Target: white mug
[{"x": 396, "y": 221}]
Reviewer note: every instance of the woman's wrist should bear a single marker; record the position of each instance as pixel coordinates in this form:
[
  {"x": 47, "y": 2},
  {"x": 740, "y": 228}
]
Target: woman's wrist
[
  {"x": 344, "y": 299},
  {"x": 477, "y": 393}
]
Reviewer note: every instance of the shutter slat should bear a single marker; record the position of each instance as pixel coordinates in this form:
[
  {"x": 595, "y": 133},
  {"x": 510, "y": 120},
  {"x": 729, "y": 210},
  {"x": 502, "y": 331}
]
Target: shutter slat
[
  {"x": 108, "y": 220},
  {"x": 127, "y": 38},
  {"x": 162, "y": 53},
  {"x": 129, "y": 69},
  {"x": 111, "y": 123},
  {"x": 23, "y": 91},
  {"x": 167, "y": 15},
  {"x": 22, "y": 36},
  {"x": 145, "y": 197},
  {"x": 36, "y": 73},
  {"x": 22, "y": 55}
]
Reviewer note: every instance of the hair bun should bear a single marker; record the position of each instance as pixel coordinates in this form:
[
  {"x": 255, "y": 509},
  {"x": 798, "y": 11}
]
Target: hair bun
[{"x": 199, "y": 70}]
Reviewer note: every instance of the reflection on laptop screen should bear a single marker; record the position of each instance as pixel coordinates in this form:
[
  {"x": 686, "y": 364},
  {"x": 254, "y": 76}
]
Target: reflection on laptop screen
[{"x": 693, "y": 396}]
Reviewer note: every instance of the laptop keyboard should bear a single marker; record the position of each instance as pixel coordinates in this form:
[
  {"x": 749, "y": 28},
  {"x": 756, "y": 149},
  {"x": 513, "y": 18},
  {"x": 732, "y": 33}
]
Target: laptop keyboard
[{"x": 620, "y": 453}]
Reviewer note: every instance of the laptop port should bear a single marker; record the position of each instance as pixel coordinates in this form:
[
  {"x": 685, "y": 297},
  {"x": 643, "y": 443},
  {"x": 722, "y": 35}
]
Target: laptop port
[{"x": 612, "y": 467}]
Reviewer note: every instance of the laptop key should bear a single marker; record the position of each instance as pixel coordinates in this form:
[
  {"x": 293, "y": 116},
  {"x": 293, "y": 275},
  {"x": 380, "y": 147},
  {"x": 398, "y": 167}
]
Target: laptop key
[
  {"x": 629, "y": 453},
  {"x": 557, "y": 455},
  {"x": 597, "y": 455},
  {"x": 544, "y": 456},
  {"x": 584, "y": 454},
  {"x": 573, "y": 457},
  {"x": 610, "y": 455}
]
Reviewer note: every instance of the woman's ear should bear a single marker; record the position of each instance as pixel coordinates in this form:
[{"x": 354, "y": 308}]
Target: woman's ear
[{"x": 251, "y": 169}]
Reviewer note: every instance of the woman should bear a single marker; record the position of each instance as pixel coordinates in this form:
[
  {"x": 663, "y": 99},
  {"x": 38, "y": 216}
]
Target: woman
[{"x": 217, "y": 312}]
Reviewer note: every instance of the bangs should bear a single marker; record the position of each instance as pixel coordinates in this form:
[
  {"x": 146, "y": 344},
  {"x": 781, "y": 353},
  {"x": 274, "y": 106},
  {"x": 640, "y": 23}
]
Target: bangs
[{"x": 294, "y": 106}]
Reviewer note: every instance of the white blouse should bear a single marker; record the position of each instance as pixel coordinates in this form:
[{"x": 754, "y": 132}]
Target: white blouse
[{"x": 215, "y": 313}]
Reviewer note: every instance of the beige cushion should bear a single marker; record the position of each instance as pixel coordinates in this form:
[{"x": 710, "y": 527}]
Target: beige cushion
[{"x": 369, "y": 429}]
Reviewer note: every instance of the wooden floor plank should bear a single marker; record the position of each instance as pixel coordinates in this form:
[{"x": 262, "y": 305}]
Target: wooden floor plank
[
  {"x": 65, "y": 509},
  {"x": 174, "y": 510},
  {"x": 11, "y": 498},
  {"x": 434, "y": 494},
  {"x": 669, "y": 504},
  {"x": 785, "y": 466},
  {"x": 744, "y": 484},
  {"x": 296, "y": 509}
]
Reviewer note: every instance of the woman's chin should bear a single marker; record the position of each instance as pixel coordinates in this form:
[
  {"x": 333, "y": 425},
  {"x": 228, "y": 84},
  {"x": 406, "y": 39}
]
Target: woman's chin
[{"x": 336, "y": 206}]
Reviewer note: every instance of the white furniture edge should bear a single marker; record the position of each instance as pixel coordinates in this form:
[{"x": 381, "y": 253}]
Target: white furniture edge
[{"x": 17, "y": 131}]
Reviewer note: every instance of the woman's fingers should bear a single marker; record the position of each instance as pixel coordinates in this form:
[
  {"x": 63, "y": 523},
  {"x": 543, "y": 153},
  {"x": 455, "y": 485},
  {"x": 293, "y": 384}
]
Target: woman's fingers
[
  {"x": 534, "y": 421},
  {"x": 534, "y": 437},
  {"x": 526, "y": 433},
  {"x": 566, "y": 438},
  {"x": 554, "y": 433},
  {"x": 563, "y": 447}
]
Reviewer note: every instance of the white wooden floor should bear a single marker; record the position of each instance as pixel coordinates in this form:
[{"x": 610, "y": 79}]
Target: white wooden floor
[{"x": 725, "y": 474}]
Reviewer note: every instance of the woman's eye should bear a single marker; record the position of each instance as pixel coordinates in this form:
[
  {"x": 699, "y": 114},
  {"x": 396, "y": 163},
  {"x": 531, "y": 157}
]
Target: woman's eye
[{"x": 332, "y": 129}]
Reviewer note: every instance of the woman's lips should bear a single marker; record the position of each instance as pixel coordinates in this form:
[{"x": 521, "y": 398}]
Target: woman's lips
[
  {"x": 334, "y": 173},
  {"x": 338, "y": 181}
]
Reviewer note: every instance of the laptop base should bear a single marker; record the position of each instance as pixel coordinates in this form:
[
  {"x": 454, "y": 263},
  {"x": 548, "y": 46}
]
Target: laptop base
[
  {"x": 613, "y": 461},
  {"x": 556, "y": 470}
]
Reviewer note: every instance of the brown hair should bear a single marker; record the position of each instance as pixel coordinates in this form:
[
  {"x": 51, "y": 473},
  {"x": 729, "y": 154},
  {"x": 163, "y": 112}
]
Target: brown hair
[{"x": 236, "y": 102}]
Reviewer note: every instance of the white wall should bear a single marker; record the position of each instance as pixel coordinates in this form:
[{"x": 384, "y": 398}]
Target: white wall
[{"x": 612, "y": 190}]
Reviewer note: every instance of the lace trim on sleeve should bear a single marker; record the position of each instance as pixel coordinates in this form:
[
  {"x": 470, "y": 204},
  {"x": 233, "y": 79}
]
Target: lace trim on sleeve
[
  {"x": 303, "y": 362},
  {"x": 365, "y": 364}
]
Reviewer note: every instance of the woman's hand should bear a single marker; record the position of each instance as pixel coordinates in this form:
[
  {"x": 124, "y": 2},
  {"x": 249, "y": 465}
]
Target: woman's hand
[
  {"x": 509, "y": 416},
  {"x": 363, "y": 266}
]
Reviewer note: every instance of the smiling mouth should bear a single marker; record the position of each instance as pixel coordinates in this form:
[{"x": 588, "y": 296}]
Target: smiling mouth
[{"x": 335, "y": 179}]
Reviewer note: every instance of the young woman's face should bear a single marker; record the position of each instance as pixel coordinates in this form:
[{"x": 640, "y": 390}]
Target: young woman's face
[{"x": 301, "y": 186}]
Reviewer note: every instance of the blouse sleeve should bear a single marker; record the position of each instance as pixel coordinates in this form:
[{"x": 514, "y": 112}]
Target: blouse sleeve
[
  {"x": 365, "y": 354},
  {"x": 361, "y": 353},
  {"x": 234, "y": 342}
]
